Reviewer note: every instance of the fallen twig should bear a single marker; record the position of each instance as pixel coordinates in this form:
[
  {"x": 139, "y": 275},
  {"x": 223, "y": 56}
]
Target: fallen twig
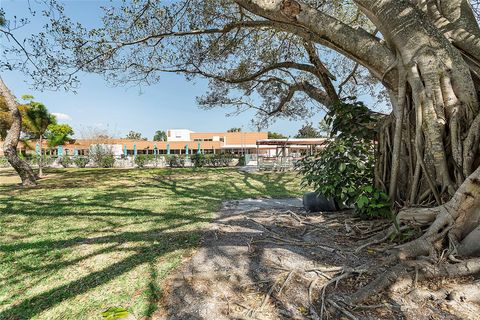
[{"x": 342, "y": 310}]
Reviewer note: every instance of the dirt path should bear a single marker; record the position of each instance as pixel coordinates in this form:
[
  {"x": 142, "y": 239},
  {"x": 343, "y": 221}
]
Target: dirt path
[{"x": 266, "y": 259}]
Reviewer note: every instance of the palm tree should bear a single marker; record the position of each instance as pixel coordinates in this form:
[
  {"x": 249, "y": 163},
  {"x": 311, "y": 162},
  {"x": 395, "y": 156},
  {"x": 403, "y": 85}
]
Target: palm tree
[{"x": 37, "y": 120}]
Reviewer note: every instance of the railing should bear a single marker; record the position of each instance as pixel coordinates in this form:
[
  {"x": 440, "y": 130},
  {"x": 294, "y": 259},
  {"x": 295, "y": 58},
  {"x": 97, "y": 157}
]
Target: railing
[{"x": 276, "y": 163}]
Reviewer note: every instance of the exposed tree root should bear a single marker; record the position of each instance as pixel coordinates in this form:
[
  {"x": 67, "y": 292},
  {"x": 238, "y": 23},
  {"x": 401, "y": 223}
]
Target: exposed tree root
[
  {"x": 461, "y": 292},
  {"x": 406, "y": 274},
  {"x": 454, "y": 230}
]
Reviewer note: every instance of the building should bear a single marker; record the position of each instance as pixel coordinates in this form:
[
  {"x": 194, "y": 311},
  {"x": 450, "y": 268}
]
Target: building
[
  {"x": 291, "y": 147},
  {"x": 179, "y": 141}
]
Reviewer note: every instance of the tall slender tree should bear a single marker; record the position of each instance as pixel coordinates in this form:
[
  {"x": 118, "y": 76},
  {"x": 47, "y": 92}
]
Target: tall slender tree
[
  {"x": 37, "y": 121},
  {"x": 160, "y": 135}
]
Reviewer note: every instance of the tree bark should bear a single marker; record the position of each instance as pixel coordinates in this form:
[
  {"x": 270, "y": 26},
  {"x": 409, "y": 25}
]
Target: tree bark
[
  {"x": 11, "y": 141},
  {"x": 40, "y": 159}
]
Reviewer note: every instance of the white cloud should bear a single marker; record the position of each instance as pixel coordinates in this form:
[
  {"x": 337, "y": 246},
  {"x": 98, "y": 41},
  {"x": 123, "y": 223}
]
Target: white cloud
[{"x": 61, "y": 116}]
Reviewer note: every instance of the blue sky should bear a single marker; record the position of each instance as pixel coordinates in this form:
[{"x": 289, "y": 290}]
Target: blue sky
[{"x": 169, "y": 104}]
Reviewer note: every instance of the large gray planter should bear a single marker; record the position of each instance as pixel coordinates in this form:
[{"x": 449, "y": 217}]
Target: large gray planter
[{"x": 313, "y": 202}]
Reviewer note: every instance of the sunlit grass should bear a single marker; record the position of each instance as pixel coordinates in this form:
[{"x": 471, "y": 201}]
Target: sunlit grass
[{"x": 88, "y": 239}]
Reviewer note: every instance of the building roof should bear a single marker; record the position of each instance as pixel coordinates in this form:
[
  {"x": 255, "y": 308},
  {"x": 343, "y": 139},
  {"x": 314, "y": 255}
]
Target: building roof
[{"x": 293, "y": 141}]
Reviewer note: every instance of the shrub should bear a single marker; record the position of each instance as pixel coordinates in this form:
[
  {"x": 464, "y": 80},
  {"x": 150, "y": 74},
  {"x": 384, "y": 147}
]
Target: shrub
[
  {"x": 218, "y": 160},
  {"x": 176, "y": 161},
  {"x": 102, "y": 155},
  {"x": 242, "y": 160},
  {"x": 344, "y": 169},
  {"x": 225, "y": 159},
  {"x": 212, "y": 160},
  {"x": 81, "y": 161},
  {"x": 107, "y": 161},
  {"x": 65, "y": 161},
  {"x": 199, "y": 160},
  {"x": 372, "y": 202},
  {"x": 46, "y": 160},
  {"x": 141, "y": 160},
  {"x": 339, "y": 169}
]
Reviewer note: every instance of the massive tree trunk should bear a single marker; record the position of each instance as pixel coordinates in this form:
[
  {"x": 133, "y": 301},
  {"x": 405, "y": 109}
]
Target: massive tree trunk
[
  {"x": 433, "y": 139},
  {"x": 429, "y": 151},
  {"x": 11, "y": 141}
]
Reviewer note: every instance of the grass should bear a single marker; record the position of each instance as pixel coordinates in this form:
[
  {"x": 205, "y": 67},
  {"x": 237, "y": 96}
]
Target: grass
[{"x": 85, "y": 240}]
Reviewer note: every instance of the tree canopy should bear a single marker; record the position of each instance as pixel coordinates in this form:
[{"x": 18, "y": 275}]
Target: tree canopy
[
  {"x": 276, "y": 135},
  {"x": 58, "y": 134},
  {"x": 160, "y": 135},
  {"x": 308, "y": 131},
  {"x": 132, "y": 135},
  {"x": 37, "y": 119}
]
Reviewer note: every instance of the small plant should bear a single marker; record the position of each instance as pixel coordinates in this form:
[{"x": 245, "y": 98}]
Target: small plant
[
  {"x": 4, "y": 162},
  {"x": 344, "y": 169},
  {"x": 102, "y": 155},
  {"x": 176, "y": 161},
  {"x": 115, "y": 313},
  {"x": 141, "y": 160},
  {"x": 65, "y": 161},
  {"x": 199, "y": 160},
  {"x": 372, "y": 202},
  {"x": 107, "y": 161},
  {"x": 81, "y": 161}
]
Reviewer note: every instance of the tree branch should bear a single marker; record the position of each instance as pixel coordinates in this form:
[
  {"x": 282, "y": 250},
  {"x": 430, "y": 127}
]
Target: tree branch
[{"x": 316, "y": 26}]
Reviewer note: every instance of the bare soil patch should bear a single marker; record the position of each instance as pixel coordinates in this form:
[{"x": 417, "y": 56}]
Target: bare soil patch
[{"x": 268, "y": 259}]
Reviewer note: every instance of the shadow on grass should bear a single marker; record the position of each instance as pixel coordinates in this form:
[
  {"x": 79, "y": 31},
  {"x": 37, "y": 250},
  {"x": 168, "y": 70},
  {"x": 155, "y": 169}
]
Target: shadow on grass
[
  {"x": 144, "y": 254},
  {"x": 106, "y": 206}
]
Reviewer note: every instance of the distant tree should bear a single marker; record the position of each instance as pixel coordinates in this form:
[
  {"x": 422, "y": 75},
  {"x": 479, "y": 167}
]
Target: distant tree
[
  {"x": 5, "y": 118},
  {"x": 103, "y": 137},
  {"x": 132, "y": 135},
  {"x": 37, "y": 120},
  {"x": 308, "y": 131},
  {"x": 234, "y": 130},
  {"x": 160, "y": 135},
  {"x": 58, "y": 134},
  {"x": 324, "y": 129},
  {"x": 275, "y": 135}
]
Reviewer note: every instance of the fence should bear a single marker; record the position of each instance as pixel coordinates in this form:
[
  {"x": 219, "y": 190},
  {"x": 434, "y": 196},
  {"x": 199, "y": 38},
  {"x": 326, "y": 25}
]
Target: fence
[{"x": 276, "y": 163}]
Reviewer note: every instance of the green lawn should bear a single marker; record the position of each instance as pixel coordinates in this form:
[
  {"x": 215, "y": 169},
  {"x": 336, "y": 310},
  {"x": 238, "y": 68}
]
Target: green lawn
[{"x": 88, "y": 239}]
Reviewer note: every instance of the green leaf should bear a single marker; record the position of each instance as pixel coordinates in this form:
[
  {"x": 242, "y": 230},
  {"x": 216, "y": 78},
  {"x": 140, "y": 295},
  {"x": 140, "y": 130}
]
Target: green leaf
[
  {"x": 114, "y": 313},
  {"x": 362, "y": 201}
]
